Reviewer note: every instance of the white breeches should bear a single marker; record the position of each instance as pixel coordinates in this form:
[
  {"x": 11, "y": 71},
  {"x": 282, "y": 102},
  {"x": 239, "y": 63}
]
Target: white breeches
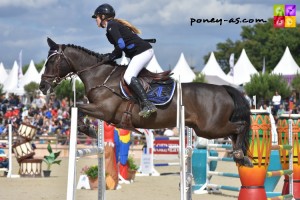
[{"x": 137, "y": 63}]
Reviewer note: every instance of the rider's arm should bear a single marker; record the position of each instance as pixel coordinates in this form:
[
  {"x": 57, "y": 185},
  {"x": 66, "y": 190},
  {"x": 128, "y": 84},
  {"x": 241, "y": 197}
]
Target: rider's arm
[{"x": 114, "y": 37}]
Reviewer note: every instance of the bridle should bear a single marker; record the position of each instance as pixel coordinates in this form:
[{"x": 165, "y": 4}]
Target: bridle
[{"x": 56, "y": 79}]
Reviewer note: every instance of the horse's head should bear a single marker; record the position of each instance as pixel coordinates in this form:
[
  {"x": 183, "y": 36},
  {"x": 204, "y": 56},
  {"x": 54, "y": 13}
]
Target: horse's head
[{"x": 57, "y": 67}]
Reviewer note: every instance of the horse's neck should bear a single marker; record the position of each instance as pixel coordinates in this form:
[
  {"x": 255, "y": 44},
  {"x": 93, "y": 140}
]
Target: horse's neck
[{"x": 97, "y": 75}]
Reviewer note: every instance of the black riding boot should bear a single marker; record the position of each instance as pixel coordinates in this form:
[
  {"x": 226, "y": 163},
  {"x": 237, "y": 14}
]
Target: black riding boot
[{"x": 148, "y": 106}]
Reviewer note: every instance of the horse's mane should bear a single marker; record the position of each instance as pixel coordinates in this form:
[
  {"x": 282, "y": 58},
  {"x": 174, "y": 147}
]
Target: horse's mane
[
  {"x": 98, "y": 55},
  {"x": 90, "y": 52}
]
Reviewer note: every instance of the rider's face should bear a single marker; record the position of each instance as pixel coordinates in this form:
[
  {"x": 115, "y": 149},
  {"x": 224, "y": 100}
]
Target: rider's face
[{"x": 98, "y": 21}]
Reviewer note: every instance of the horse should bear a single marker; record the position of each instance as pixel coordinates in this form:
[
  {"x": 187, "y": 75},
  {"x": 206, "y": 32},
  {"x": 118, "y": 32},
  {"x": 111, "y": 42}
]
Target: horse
[{"x": 213, "y": 111}]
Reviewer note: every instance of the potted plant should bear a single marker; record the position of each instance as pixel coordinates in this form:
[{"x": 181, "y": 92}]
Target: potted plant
[
  {"x": 50, "y": 160},
  {"x": 132, "y": 168},
  {"x": 92, "y": 174}
]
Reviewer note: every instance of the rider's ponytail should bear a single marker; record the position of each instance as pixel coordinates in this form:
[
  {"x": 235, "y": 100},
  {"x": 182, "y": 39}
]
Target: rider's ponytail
[{"x": 129, "y": 25}]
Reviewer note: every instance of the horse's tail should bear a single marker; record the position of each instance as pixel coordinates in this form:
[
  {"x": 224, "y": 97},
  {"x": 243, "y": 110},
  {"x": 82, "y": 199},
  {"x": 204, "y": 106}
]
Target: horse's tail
[{"x": 241, "y": 112}]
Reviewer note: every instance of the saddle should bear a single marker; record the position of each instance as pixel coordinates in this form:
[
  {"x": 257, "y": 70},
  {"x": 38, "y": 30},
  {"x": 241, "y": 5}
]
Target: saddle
[
  {"x": 159, "y": 87},
  {"x": 146, "y": 79}
]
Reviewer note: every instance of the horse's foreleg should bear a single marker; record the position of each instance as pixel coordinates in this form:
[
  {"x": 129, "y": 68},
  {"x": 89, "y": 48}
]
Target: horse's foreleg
[
  {"x": 85, "y": 128},
  {"x": 92, "y": 110},
  {"x": 239, "y": 146}
]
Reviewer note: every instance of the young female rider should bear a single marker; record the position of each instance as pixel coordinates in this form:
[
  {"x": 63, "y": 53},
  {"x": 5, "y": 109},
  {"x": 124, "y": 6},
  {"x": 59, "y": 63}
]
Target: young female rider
[{"x": 123, "y": 36}]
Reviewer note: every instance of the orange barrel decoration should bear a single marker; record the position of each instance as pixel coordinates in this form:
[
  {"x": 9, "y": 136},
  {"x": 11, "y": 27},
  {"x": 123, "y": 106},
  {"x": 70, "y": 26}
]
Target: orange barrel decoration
[
  {"x": 283, "y": 139},
  {"x": 252, "y": 179}
]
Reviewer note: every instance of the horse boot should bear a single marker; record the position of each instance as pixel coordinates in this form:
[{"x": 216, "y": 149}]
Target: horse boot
[{"x": 147, "y": 106}]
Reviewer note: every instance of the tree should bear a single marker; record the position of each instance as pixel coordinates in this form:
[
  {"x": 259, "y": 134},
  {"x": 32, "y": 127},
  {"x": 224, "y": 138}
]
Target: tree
[
  {"x": 200, "y": 78},
  {"x": 296, "y": 84},
  {"x": 31, "y": 89},
  {"x": 260, "y": 41},
  {"x": 265, "y": 85},
  {"x": 64, "y": 89}
]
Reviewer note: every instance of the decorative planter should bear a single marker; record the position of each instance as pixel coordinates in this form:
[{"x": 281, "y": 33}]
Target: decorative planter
[
  {"x": 131, "y": 174},
  {"x": 93, "y": 183},
  {"x": 46, "y": 173}
]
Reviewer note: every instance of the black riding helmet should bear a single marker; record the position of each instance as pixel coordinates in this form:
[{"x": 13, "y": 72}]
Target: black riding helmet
[{"x": 104, "y": 9}]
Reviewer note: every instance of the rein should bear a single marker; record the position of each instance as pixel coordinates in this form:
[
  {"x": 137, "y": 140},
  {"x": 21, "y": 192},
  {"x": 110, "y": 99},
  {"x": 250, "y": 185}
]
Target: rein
[{"x": 105, "y": 86}]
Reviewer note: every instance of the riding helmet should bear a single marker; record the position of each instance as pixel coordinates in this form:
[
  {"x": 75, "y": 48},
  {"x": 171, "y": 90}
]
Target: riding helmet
[{"x": 104, "y": 9}]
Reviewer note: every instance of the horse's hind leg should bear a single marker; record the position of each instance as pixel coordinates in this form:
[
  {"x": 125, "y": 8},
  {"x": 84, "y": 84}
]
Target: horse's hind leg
[{"x": 240, "y": 145}]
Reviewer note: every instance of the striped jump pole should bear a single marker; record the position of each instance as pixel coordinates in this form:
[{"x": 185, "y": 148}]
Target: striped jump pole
[
  {"x": 73, "y": 153},
  {"x": 289, "y": 133},
  {"x": 214, "y": 187}
]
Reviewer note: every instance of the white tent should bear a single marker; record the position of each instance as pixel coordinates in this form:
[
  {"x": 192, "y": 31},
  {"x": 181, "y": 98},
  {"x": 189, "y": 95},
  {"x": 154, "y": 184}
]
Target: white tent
[
  {"x": 242, "y": 70},
  {"x": 183, "y": 71},
  {"x": 31, "y": 75},
  {"x": 212, "y": 68},
  {"x": 153, "y": 66},
  {"x": 3, "y": 73},
  {"x": 11, "y": 82},
  {"x": 216, "y": 80},
  {"x": 286, "y": 65}
]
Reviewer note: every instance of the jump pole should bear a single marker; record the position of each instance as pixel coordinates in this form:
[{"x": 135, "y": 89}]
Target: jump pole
[
  {"x": 184, "y": 153},
  {"x": 9, "y": 173},
  {"x": 72, "y": 158},
  {"x": 10, "y": 166},
  {"x": 73, "y": 153}
]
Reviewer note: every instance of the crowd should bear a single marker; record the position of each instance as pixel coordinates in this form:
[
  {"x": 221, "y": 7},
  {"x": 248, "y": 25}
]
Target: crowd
[
  {"x": 281, "y": 106},
  {"x": 48, "y": 114}
]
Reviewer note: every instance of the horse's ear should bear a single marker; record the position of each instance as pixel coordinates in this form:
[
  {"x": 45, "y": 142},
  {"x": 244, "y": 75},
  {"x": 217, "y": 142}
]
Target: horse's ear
[{"x": 52, "y": 44}]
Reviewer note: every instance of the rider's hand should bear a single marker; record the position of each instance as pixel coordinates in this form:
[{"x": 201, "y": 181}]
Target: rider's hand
[{"x": 108, "y": 57}]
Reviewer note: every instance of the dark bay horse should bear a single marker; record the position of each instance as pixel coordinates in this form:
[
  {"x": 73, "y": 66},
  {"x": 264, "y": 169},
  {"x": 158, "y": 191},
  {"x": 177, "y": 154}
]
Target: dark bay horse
[{"x": 212, "y": 111}]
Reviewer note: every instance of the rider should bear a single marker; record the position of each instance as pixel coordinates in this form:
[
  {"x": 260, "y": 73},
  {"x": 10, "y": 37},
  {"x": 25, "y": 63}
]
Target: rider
[{"x": 123, "y": 36}]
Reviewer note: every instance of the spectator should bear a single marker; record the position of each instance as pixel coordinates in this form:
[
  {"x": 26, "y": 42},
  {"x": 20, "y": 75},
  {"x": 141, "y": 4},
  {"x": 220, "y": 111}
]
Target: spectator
[
  {"x": 280, "y": 111},
  {"x": 39, "y": 102},
  {"x": 292, "y": 104},
  {"x": 276, "y": 100},
  {"x": 3, "y": 159}
]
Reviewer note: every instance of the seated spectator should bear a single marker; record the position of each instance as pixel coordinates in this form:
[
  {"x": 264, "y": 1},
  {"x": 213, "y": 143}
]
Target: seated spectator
[
  {"x": 3, "y": 159},
  {"x": 280, "y": 111},
  {"x": 3, "y": 129},
  {"x": 48, "y": 113}
]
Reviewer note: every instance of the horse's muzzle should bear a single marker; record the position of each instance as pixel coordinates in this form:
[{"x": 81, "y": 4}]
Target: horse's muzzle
[{"x": 45, "y": 87}]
